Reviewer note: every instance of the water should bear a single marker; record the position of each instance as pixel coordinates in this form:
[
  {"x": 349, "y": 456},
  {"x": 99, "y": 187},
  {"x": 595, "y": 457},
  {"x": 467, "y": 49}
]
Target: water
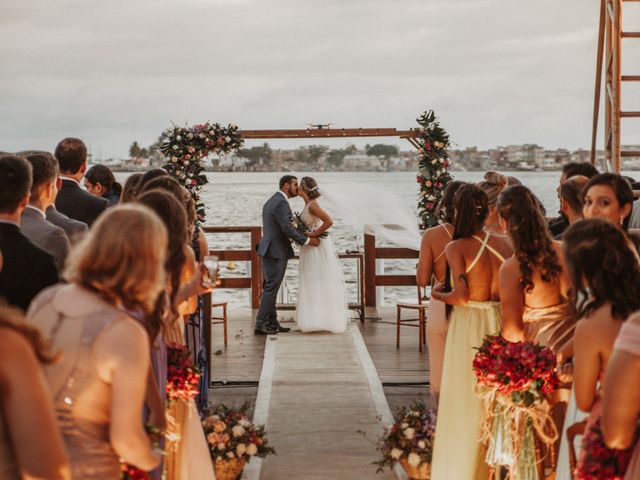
[{"x": 236, "y": 199}]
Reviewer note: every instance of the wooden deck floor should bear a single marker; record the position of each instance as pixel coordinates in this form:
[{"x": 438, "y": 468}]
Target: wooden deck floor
[{"x": 241, "y": 361}]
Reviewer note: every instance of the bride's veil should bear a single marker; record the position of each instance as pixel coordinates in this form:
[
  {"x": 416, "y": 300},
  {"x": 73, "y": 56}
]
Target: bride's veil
[{"x": 375, "y": 211}]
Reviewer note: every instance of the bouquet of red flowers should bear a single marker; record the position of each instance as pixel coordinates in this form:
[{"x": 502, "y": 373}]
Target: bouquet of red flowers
[
  {"x": 599, "y": 460},
  {"x": 513, "y": 380},
  {"x": 182, "y": 375},
  {"x": 524, "y": 370}
]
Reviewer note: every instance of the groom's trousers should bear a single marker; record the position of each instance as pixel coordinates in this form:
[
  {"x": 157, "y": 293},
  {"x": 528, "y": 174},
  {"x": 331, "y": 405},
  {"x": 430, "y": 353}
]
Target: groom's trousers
[{"x": 273, "y": 270}]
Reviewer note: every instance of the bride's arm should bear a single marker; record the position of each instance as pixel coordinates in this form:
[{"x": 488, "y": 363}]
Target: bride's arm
[{"x": 327, "y": 221}]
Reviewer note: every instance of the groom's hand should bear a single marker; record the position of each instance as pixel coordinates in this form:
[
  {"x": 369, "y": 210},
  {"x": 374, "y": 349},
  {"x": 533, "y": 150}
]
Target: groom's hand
[{"x": 314, "y": 242}]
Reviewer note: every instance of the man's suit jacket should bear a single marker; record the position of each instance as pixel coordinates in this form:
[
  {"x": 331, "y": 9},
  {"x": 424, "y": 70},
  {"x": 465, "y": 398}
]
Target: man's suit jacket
[
  {"x": 277, "y": 231},
  {"x": 74, "y": 229},
  {"x": 79, "y": 204},
  {"x": 26, "y": 269},
  {"x": 45, "y": 235}
]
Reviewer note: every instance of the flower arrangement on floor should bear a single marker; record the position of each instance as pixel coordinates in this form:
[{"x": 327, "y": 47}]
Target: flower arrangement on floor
[
  {"x": 233, "y": 440},
  {"x": 514, "y": 379},
  {"x": 599, "y": 461},
  {"x": 299, "y": 225},
  {"x": 409, "y": 441},
  {"x": 183, "y": 376},
  {"x": 433, "y": 167},
  {"x": 186, "y": 147}
]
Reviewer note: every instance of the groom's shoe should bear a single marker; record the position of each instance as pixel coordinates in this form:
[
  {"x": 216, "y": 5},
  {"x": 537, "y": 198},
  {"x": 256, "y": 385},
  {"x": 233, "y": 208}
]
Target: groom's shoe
[
  {"x": 269, "y": 330},
  {"x": 282, "y": 329}
]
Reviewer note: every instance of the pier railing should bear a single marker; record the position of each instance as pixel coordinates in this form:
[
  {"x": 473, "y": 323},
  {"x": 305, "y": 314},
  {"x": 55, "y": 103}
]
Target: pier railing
[
  {"x": 372, "y": 280},
  {"x": 254, "y": 281}
]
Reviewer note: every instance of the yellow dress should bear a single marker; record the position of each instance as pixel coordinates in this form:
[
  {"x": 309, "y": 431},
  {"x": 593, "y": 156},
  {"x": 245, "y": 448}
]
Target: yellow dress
[{"x": 458, "y": 453}]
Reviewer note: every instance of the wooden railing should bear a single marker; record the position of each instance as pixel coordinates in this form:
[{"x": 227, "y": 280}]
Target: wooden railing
[
  {"x": 371, "y": 254},
  {"x": 254, "y": 282}
]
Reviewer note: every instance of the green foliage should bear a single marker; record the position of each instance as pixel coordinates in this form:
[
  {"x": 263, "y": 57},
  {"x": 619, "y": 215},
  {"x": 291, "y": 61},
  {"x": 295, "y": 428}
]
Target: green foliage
[
  {"x": 433, "y": 168},
  {"x": 256, "y": 154},
  {"x": 381, "y": 150}
]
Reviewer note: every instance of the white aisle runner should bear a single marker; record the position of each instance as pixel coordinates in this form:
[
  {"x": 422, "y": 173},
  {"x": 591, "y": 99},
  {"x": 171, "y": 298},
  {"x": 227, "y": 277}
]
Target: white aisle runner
[{"x": 316, "y": 391}]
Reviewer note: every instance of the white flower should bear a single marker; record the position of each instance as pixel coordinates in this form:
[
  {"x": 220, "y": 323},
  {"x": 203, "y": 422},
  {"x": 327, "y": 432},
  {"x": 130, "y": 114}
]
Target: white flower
[
  {"x": 175, "y": 147},
  {"x": 190, "y": 136},
  {"x": 441, "y": 160},
  {"x": 221, "y": 446},
  {"x": 244, "y": 422},
  {"x": 421, "y": 444},
  {"x": 230, "y": 454},
  {"x": 238, "y": 431},
  {"x": 241, "y": 449},
  {"x": 212, "y": 132},
  {"x": 395, "y": 453},
  {"x": 252, "y": 449},
  {"x": 433, "y": 162},
  {"x": 413, "y": 459},
  {"x": 409, "y": 433},
  {"x": 227, "y": 139},
  {"x": 179, "y": 138},
  {"x": 404, "y": 425}
]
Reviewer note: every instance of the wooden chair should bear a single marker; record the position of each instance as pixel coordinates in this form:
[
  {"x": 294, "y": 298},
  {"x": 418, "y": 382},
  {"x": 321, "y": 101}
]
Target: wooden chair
[
  {"x": 220, "y": 320},
  {"x": 572, "y": 432},
  {"x": 420, "y": 305}
]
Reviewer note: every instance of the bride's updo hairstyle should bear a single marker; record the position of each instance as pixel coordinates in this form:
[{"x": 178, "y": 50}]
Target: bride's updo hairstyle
[
  {"x": 602, "y": 268},
  {"x": 310, "y": 187},
  {"x": 492, "y": 185}
]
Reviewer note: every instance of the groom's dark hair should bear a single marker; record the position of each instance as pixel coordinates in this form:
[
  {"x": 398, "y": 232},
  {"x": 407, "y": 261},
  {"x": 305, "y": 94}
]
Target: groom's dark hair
[{"x": 287, "y": 179}]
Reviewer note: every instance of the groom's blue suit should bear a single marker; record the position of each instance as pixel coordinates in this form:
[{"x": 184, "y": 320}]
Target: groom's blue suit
[{"x": 275, "y": 250}]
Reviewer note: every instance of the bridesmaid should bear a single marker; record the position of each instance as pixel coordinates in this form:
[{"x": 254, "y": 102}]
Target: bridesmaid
[
  {"x": 98, "y": 386},
  {"x": 599, "y": 258},
  {"x": 30, "y": 442},
  {"x": 621, "y": 405},
  {"x": 432, "y": 266},
  {"x": 474, "y": 257},
  {"x": 534, "y": 284}
]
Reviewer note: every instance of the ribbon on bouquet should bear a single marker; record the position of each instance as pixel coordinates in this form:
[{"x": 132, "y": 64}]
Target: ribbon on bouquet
[{"x": 509, "y": 429}]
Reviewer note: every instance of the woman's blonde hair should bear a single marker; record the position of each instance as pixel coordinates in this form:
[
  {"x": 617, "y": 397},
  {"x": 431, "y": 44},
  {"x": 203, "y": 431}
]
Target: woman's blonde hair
[
  {"x": 310, "y": 186},
  {"x": 492, "y": 185},
  {"x": 123, "y": 257}
]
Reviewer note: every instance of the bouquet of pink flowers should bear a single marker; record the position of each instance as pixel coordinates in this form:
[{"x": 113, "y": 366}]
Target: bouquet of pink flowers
[
  {"x": 514, "y": 380},
  {"x": 600, "y": 461},
  {"x": 410, "y": 439},
  {"x": 231, "y": 435},
  {"x": 183, "y": 376}
]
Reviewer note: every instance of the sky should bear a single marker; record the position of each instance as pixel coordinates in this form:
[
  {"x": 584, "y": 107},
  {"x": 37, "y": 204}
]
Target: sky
[{"x": 496, "y": 72}]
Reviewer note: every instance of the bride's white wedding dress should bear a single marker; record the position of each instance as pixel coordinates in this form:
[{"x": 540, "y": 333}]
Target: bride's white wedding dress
[{"x": 322, "y": 297}]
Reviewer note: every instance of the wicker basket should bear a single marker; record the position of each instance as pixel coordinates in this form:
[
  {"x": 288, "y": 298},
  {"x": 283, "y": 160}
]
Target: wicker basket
[
  {"x": 421, "y": 472},
  {"x": 228, "y": 469}
]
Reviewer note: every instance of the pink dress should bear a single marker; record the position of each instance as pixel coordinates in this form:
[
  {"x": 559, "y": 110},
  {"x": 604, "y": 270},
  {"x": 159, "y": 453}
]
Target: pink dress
[{"x": 629, "y": 341}]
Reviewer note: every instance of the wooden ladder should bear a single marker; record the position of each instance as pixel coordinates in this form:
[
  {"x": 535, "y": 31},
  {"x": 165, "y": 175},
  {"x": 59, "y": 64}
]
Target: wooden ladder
[{"x": 609, "y": 56}]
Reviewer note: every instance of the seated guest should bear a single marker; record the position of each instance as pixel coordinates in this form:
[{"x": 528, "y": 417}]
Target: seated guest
[
  {"x": 26, "y": 269},
  {"x": 99, "y": 180},
  {"x": 150, "y": 175},
  {"x": 572, "y": 169},
  {"x": 131, "y": 187},
  {"x": 571, "y": 199},
  {"x": 74, "y": 202},
  {"x": 30, "y": 442},
  {"x": 98, "y": 385},
  {"x": 73, "y": 228},
  {"x": 33, "y": 221}
]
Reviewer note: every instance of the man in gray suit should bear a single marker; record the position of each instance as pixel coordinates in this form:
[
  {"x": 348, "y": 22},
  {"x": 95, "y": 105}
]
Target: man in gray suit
[
  {"x": 74, "y": 229},
  {"x": 275, "y": 250},
  {"x": 33, "y": 222}
]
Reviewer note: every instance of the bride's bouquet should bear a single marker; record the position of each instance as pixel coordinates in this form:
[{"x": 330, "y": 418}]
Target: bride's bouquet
[
  {"x": 183, "y": 376},
  {"x": 513, "y": 380},
  {"x": 303, "y": 228}
]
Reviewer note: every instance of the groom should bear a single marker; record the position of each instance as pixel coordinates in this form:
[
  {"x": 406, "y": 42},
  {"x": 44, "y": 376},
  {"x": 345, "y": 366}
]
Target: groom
[{"x": 275, "y": 250}]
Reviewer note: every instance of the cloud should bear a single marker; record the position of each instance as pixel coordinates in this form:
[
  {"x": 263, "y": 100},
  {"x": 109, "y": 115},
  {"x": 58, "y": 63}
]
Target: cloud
[{"x": 497, "y": 72}]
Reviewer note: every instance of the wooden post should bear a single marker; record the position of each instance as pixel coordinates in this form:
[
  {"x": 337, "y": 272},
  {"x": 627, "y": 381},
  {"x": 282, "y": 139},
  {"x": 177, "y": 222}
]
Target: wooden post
[
  {"x": 369, "y": 270},
  {"x": 617, "y": 84},
  {"x": 256, "y": 268},
  {"x": 207, "y": 329}
]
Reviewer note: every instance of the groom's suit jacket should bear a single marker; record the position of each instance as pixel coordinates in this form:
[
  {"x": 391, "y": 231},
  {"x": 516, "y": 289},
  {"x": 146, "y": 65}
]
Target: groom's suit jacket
[{"x": 277, "y": 229}]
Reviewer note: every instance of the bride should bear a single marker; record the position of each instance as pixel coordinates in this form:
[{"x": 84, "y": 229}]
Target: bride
[{"x": 322, "y": 299}]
